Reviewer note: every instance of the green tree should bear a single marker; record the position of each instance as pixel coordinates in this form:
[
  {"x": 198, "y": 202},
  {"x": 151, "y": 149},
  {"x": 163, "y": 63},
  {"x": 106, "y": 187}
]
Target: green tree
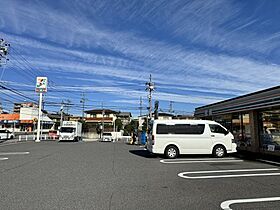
[
  {"x": 132, "y": 126},
  {"x": 118, "y": 124}
]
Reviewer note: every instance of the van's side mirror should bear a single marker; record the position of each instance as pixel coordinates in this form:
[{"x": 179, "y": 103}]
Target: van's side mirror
[{"x": 226, "y": 132}]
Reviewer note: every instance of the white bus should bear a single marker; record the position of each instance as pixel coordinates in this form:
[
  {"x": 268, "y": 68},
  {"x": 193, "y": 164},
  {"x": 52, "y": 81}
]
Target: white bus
[{"x": 174, "y": 137}]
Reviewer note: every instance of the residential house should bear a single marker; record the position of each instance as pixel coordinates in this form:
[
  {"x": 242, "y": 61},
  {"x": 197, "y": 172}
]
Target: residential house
[
  {"x": 184, "y": 117},
  {"x": 56, "y": 118},
  {"x": 125, "y": 117},
  {"x": 165, "y": 116},
  {"x": 97, "y": 118}
]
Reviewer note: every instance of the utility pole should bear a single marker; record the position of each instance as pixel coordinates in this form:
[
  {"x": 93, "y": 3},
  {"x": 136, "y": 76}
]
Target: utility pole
[
  {"x": 150, "y": 87},
  {"x": 67, "y": 104},
  {"x": 141, "y": 106},
  {"x": 61, "y": 113},
  {"x": 83, "y": 99},
  {"x": 171, "y": 106},
  {"x": 4, "y": 49},
  {"x": 103, "y": 113}
]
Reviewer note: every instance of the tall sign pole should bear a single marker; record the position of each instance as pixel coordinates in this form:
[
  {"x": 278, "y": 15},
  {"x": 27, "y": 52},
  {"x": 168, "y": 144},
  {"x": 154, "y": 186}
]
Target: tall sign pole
[{"x": 41, "y": 87}]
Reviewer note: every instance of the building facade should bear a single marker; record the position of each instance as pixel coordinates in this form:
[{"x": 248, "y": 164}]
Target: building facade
[
  {"x": 254, "y": 120},
  {"x": 125, "y": 117},
  {"x": 25, "y": 120},
  {"x": 100, "y": 119},
  {"x": 10, "y": 122}
]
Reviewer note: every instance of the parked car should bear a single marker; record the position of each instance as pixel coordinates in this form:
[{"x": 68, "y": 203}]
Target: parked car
[
  {"x": 174, "y": 137},
  {"x": 6, "y": 134},
  {"x": 107, "y": 137},
  {"x": 53, "y": 134}
]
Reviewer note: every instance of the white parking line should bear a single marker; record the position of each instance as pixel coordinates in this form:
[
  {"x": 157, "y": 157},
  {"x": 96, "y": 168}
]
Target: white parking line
[
  {"x": 269, "y": 161},
  {"x": 185, "y": 174},
  {"x": 14, "y": 153},
  {"x": 4, "y": 158},
  {"x": 200, "y": 160},
  {"x": 7, "y": 144},
  {"x": 225, "y": 205}
]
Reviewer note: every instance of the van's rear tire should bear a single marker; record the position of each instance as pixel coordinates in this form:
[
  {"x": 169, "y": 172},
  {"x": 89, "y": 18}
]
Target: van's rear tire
[
  {"x": 171, "y": 152},
  {"x": 219, "y": 151}
]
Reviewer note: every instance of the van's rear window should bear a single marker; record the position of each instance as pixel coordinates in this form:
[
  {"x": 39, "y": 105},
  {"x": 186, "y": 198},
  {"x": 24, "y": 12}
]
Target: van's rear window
[{"x": 180, "y": 129}]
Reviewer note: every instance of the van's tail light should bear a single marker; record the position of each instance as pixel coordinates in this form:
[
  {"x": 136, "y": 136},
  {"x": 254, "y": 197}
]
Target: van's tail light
[{"x": 153, "y": 139}]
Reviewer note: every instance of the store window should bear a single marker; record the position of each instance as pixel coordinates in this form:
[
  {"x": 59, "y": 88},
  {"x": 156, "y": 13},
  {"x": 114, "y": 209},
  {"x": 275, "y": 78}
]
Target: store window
[
  {"x": 270, "y": 130},
  {"x": 246, "y": 129},
  {"x": 239, "y": 125},
  {"x": 224, "y": 120}
]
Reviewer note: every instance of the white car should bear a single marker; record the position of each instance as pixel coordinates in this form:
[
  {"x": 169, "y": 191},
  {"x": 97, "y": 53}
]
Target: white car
[
  {"x": 107, "y": 137},
  {"x": 6, "y": 134}
]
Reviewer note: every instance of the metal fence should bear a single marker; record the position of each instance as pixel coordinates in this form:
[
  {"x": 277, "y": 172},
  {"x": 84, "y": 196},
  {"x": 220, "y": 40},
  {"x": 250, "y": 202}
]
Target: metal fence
[
  {"x": 33, "y": 137},
  {"x": 46, "y": 137}
]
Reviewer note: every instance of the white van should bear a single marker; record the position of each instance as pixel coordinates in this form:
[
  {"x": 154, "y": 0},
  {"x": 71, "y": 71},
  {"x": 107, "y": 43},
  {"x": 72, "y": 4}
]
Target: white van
[{"x": 174, "y": 137}]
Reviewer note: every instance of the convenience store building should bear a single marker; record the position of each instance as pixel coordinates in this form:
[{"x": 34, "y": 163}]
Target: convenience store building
[{"x": 253, "y": 119}]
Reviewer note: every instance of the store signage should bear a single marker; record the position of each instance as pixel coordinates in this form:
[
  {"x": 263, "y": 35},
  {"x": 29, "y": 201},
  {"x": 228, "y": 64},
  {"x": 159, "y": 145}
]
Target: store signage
[{"x": 41, "y": 84}]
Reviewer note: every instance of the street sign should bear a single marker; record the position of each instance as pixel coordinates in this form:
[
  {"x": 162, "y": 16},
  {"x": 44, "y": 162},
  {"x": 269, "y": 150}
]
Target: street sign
[{"x": 41, "y": 84}]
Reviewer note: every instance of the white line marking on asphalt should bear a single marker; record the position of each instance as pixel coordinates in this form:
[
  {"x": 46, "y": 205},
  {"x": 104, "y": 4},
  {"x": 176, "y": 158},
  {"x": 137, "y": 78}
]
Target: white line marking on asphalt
[
  {"x": 268, "y": 161},
  {"x": 225, "y": 205},
  {"x": 4, "y": 158},
  {"x": 200, "y": 161},
  {"x": 14, "y": 153},
  {"x": 184, "y": 159},
  {"x": 184, "y": 174},
  {"x": 7, "y": 144}
]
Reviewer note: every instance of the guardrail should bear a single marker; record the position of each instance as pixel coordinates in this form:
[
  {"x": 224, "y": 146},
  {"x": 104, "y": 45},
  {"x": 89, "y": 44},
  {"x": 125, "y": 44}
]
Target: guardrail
[
  {"x": 45, "y": 137},
  {"x": 34, "y": 137}
]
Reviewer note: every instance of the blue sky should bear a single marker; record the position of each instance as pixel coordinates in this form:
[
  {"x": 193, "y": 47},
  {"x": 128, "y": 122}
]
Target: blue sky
[{"x": 198, "y": 52}]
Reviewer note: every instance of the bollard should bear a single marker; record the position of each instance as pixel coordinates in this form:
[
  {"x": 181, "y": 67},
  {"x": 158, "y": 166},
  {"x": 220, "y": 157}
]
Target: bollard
[
  {"x": 19, "y": 138},
  {"x": 26, "y": 138}
]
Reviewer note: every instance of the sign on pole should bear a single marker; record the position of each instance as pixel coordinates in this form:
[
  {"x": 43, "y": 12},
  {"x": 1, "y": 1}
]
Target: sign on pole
[
  {"x": 41, "y": 87},
  {"x": 41, "y": 84}
]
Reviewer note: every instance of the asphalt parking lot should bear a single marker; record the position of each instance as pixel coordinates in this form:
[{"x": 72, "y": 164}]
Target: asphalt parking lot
[{"x": 101, "y": 175}]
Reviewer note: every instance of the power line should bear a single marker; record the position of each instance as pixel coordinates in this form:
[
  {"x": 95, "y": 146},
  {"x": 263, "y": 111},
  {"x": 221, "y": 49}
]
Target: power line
[{"x": 16, "y": 92}]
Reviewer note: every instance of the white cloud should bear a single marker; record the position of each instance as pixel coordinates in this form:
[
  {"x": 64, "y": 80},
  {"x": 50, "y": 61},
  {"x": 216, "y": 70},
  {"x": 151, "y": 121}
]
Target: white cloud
[{"x": 72, "y": 41}]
